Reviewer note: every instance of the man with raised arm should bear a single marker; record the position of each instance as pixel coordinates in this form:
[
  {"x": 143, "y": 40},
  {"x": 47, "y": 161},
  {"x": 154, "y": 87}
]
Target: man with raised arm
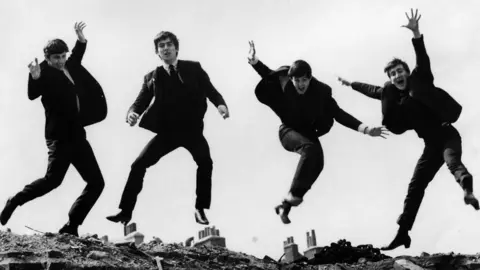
[
  {"x": 411, "y": 101},
  {"x": 307, "y": 111},
  {"x": 72, "y": 99},
  {"x": 180, "y": 89}
]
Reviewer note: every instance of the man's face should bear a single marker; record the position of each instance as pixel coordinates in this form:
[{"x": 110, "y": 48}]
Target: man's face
[
  {"x": 398, "y": 76},
  {"x": 57, "y": 60},
  {"x": 301, "y": 84},
  {"x": 166, "y": 50}
]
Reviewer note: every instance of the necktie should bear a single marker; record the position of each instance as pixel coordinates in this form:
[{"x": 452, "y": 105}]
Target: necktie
[
  {"x": 172, "y": 70},
  {"x": 174, "y": 74}
]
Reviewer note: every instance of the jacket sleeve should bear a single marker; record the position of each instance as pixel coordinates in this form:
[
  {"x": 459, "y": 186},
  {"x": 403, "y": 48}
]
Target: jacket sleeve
[
  {"x": 344, "y": 118},
  {"x": 144, "y": 97},
  {"x": 212, "y": 94},
  {"x": 35, "y": 87},
  {"x": 262, "y": 69},
  {"x": 77, "y": 52},
  {"x": 368, "y": 90},
  {"x": 423, "y": 61}
]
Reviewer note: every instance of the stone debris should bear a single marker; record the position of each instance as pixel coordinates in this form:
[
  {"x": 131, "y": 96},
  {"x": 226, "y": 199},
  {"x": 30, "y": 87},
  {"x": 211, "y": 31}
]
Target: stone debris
[
  {"x": 344, "y": 252},
  {"x": 53, "y": 251}
]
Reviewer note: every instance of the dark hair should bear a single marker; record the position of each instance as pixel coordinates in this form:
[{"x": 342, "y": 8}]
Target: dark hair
[
  {"x": 164, "y": 35},
  {"x": 300, "y": 68},
  {"x": 55, "y": 46},
  {"x": 396, "y": 62}
]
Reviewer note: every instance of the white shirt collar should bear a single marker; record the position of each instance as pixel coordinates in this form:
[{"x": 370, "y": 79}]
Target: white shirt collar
[{"x": 167, "y": 66}]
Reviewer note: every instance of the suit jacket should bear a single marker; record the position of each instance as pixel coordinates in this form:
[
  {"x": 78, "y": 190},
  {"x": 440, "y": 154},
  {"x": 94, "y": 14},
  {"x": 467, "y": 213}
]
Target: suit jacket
[
  {"x": 420, "y": 87},
  {"x": 155, "y": 86},
  {"x": 59, "y": 96},
  {"x": 323, "y": 107}
]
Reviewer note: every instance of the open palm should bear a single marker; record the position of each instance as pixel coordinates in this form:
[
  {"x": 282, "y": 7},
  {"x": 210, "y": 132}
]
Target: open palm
[{"x": 412, "y": 20}]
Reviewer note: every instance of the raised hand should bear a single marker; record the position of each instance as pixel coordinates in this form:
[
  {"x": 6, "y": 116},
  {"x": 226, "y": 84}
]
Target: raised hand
[
  {"x": 378, "y": 132},
  {"x": 79, "y": 26},
  {"x": 223, "y": 110},
  {"x": 251, "y": 53},
  {"x": 343, "y": 81},
  {"x": 413, "y": 22},
  {"x": 34, "y": 69}
]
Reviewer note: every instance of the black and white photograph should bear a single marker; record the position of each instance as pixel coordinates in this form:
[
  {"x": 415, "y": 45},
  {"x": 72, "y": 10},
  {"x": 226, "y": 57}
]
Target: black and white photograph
[{"x": 268, "y": 134}]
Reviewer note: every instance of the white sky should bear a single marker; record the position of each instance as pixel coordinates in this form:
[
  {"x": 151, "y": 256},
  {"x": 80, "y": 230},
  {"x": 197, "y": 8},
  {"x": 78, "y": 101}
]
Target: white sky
[{"x": 360, "y": 193}]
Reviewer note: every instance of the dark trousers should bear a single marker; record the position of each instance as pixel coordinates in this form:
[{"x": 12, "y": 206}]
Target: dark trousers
[
  {"x": 443, "y": 147},
  {"x": 161, "y": 145},
  {"x": 311, "y": 159},
  {"x": 61, "y": 154}
]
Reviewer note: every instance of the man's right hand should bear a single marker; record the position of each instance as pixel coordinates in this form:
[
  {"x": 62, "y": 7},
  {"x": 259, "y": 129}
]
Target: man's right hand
[
  {"x": 344, "y": 82},
  {"x": 132, "y": 118},
  {"x": 34, "y": 69},
  {"x": 252, "y": 60}
]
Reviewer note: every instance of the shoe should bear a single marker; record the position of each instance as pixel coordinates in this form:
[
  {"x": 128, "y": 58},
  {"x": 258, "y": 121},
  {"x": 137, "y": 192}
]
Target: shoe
[
  {"x": 122, "y": 217},
  {"x": 401, "y": 239},
  {"x": 7, "y": 212},
  {"x": 69, "y": 229},
  {"x": 200, "y": 217},
  {"x": 282, "y": 210},
  {"x": 470, "y": 199}
]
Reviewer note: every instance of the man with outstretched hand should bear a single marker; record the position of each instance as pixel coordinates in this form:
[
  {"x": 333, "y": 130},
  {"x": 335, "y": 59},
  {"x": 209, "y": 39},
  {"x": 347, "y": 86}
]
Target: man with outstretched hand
[
  {"x": 411, "y": 101},
  {"x": 72, "y": 99},
  {"x": 307, "y": 111},
  {"x": 180, "y": 90}
]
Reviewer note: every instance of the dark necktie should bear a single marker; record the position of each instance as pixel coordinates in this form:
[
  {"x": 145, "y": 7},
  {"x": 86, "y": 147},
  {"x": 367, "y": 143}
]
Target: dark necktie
[
  {"x": 171, "y": 68},
  {"x": 174, "y": 74}
]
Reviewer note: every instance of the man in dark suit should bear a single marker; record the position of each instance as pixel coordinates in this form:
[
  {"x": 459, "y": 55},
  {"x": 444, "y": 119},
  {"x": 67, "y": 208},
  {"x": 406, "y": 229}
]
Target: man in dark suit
[
  {"x": 72, "y": 99},
  {"x": 411, "y": 101},
  {"x": 307, "y": 111},
  {"x": 180, "y": 89}
]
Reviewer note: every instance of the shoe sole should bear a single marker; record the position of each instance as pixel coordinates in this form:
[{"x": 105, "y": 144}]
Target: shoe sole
[{"x": 112, "y": 219}]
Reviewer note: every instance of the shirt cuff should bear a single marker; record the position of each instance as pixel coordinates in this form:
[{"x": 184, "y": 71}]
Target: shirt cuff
[{"x": 362, "y": 128}]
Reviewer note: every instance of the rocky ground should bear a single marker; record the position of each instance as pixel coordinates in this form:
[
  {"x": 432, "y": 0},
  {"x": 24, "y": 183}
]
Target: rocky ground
[{"x": 53, "y": 251}]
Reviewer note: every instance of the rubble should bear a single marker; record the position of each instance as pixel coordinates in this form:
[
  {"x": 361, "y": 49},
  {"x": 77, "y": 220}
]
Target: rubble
[
  {"x": 54, "y": 251},
  {"x": 344, "y": 252}
]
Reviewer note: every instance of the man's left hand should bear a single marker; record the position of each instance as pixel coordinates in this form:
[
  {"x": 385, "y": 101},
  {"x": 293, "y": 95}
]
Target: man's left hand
[
  {"x": 413, "y": 22},
  {"x": 223, "y": 110},
  {"x": 79, "y": 26},
  {"x": 377, "y": 131}
]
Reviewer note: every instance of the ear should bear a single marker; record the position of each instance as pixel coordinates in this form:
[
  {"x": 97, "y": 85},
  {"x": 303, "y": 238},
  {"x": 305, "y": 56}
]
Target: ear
[{"x": 47, "y": 59}]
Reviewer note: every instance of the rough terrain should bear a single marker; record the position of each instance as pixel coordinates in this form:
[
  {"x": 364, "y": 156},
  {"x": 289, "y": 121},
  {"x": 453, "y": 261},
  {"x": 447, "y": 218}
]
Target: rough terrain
[{"x": 53, "y": 251}]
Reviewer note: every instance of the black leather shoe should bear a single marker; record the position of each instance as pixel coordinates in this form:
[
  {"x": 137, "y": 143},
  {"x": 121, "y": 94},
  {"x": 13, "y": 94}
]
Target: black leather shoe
[
  {"x": 282, "y": 210},
  {"x": 69, "y": 229},
  {"x": 200, "y": 217},
  {"x": 401, "y": 239},
  {"x": 470, "y": 199},
  {"x": 122, "y": 217},
  {"x": 7, "y": 212}
]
